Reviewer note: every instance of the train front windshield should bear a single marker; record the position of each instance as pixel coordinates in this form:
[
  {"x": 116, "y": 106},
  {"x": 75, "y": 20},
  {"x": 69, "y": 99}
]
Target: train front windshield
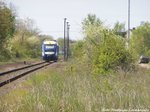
[{"x": 49, "y": 47}]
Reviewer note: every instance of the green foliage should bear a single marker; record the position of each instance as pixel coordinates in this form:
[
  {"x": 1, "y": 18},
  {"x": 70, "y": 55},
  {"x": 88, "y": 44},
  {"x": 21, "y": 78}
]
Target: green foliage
[
  {"x": 7, "y": 28},
  {"x": 5, "y": 54},
  {"x": 25, "y": 42},
  {"x": 61, "y": 44},
  {"x": 77, "y": 49},
  {"x": 29, "y": 48},
  {"x": 110, "y": 54},
  {"x": 91, "y": 20},
  {"x": 102, "y": 49},
  {"x": 140, "y": 40},
  {"x": 119, "y": 29},
  {"x": 7, "y": 23}
]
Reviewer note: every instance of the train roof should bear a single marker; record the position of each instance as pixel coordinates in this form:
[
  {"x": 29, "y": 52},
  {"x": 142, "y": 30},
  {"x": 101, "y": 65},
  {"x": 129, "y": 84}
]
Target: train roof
[{"x": 49, "y": 42}]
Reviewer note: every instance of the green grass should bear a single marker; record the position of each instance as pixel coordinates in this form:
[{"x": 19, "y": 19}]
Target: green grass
[{"x": 57, "y": 90}]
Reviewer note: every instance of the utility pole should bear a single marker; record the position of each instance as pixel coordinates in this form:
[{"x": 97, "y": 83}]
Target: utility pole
[
  {"x": 65, "y": 39},
  {"x": 68, "y": 27},
  {"x": 128, "y": 38}
]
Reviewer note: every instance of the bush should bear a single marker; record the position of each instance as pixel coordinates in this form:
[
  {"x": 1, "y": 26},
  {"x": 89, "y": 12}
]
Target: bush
[
  {"x": 78, "y": 49},
  {"x": 102, "y": 50},
  {"x": 140, "y": 40},
  {"x": 30, "y": 47},
  {"x": 111, "y": 54}
]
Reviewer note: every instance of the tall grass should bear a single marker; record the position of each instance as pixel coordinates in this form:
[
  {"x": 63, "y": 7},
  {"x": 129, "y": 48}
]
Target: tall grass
[{"x": 58, "y": 90}]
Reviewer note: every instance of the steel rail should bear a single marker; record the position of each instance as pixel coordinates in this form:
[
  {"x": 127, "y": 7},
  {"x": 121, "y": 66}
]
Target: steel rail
[
  {"x": 22, "y": 74},
  {"x": 17, "y": 69}
]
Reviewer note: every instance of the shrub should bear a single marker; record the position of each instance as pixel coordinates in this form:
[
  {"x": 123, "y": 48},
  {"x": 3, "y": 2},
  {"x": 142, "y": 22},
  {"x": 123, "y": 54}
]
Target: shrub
[
  {"x": 109, "y": 53},
  {"x": 103, "y": 50},
  {"x": 140, "y": 40}
]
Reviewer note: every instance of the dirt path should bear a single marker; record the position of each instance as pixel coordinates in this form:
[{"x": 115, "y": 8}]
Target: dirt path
[{"x": 147, "y": 66}]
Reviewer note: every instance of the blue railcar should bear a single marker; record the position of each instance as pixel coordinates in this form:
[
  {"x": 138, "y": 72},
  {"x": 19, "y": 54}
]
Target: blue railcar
[{"x": 50, "y": 50}]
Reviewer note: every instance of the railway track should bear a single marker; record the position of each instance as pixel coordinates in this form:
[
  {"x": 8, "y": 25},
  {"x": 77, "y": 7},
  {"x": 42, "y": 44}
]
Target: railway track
[{"x": 12, "y": 75}]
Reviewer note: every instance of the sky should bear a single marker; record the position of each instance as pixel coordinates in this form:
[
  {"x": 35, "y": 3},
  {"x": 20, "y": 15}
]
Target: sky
[{"x": 49, "y": 14}]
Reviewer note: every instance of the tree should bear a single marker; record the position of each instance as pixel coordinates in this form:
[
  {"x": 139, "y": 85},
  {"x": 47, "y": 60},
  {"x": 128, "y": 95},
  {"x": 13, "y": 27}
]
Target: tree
[
  {"x": 119, "y": 29},
  {"x": 61, "y": 44},
  {"x": 77, "y": 49},
  {"x": 91, "y": 21},
  {"x": 140, "y": 40},
  {"x": 45, "y": 37},
  {"x": 7, "y": 23},
  {"x": 26, "y": 28},
  {"x": 92, "y": 29},
  {"x": 7, "y": 29},
  {"x": 102, "y": 50}
]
